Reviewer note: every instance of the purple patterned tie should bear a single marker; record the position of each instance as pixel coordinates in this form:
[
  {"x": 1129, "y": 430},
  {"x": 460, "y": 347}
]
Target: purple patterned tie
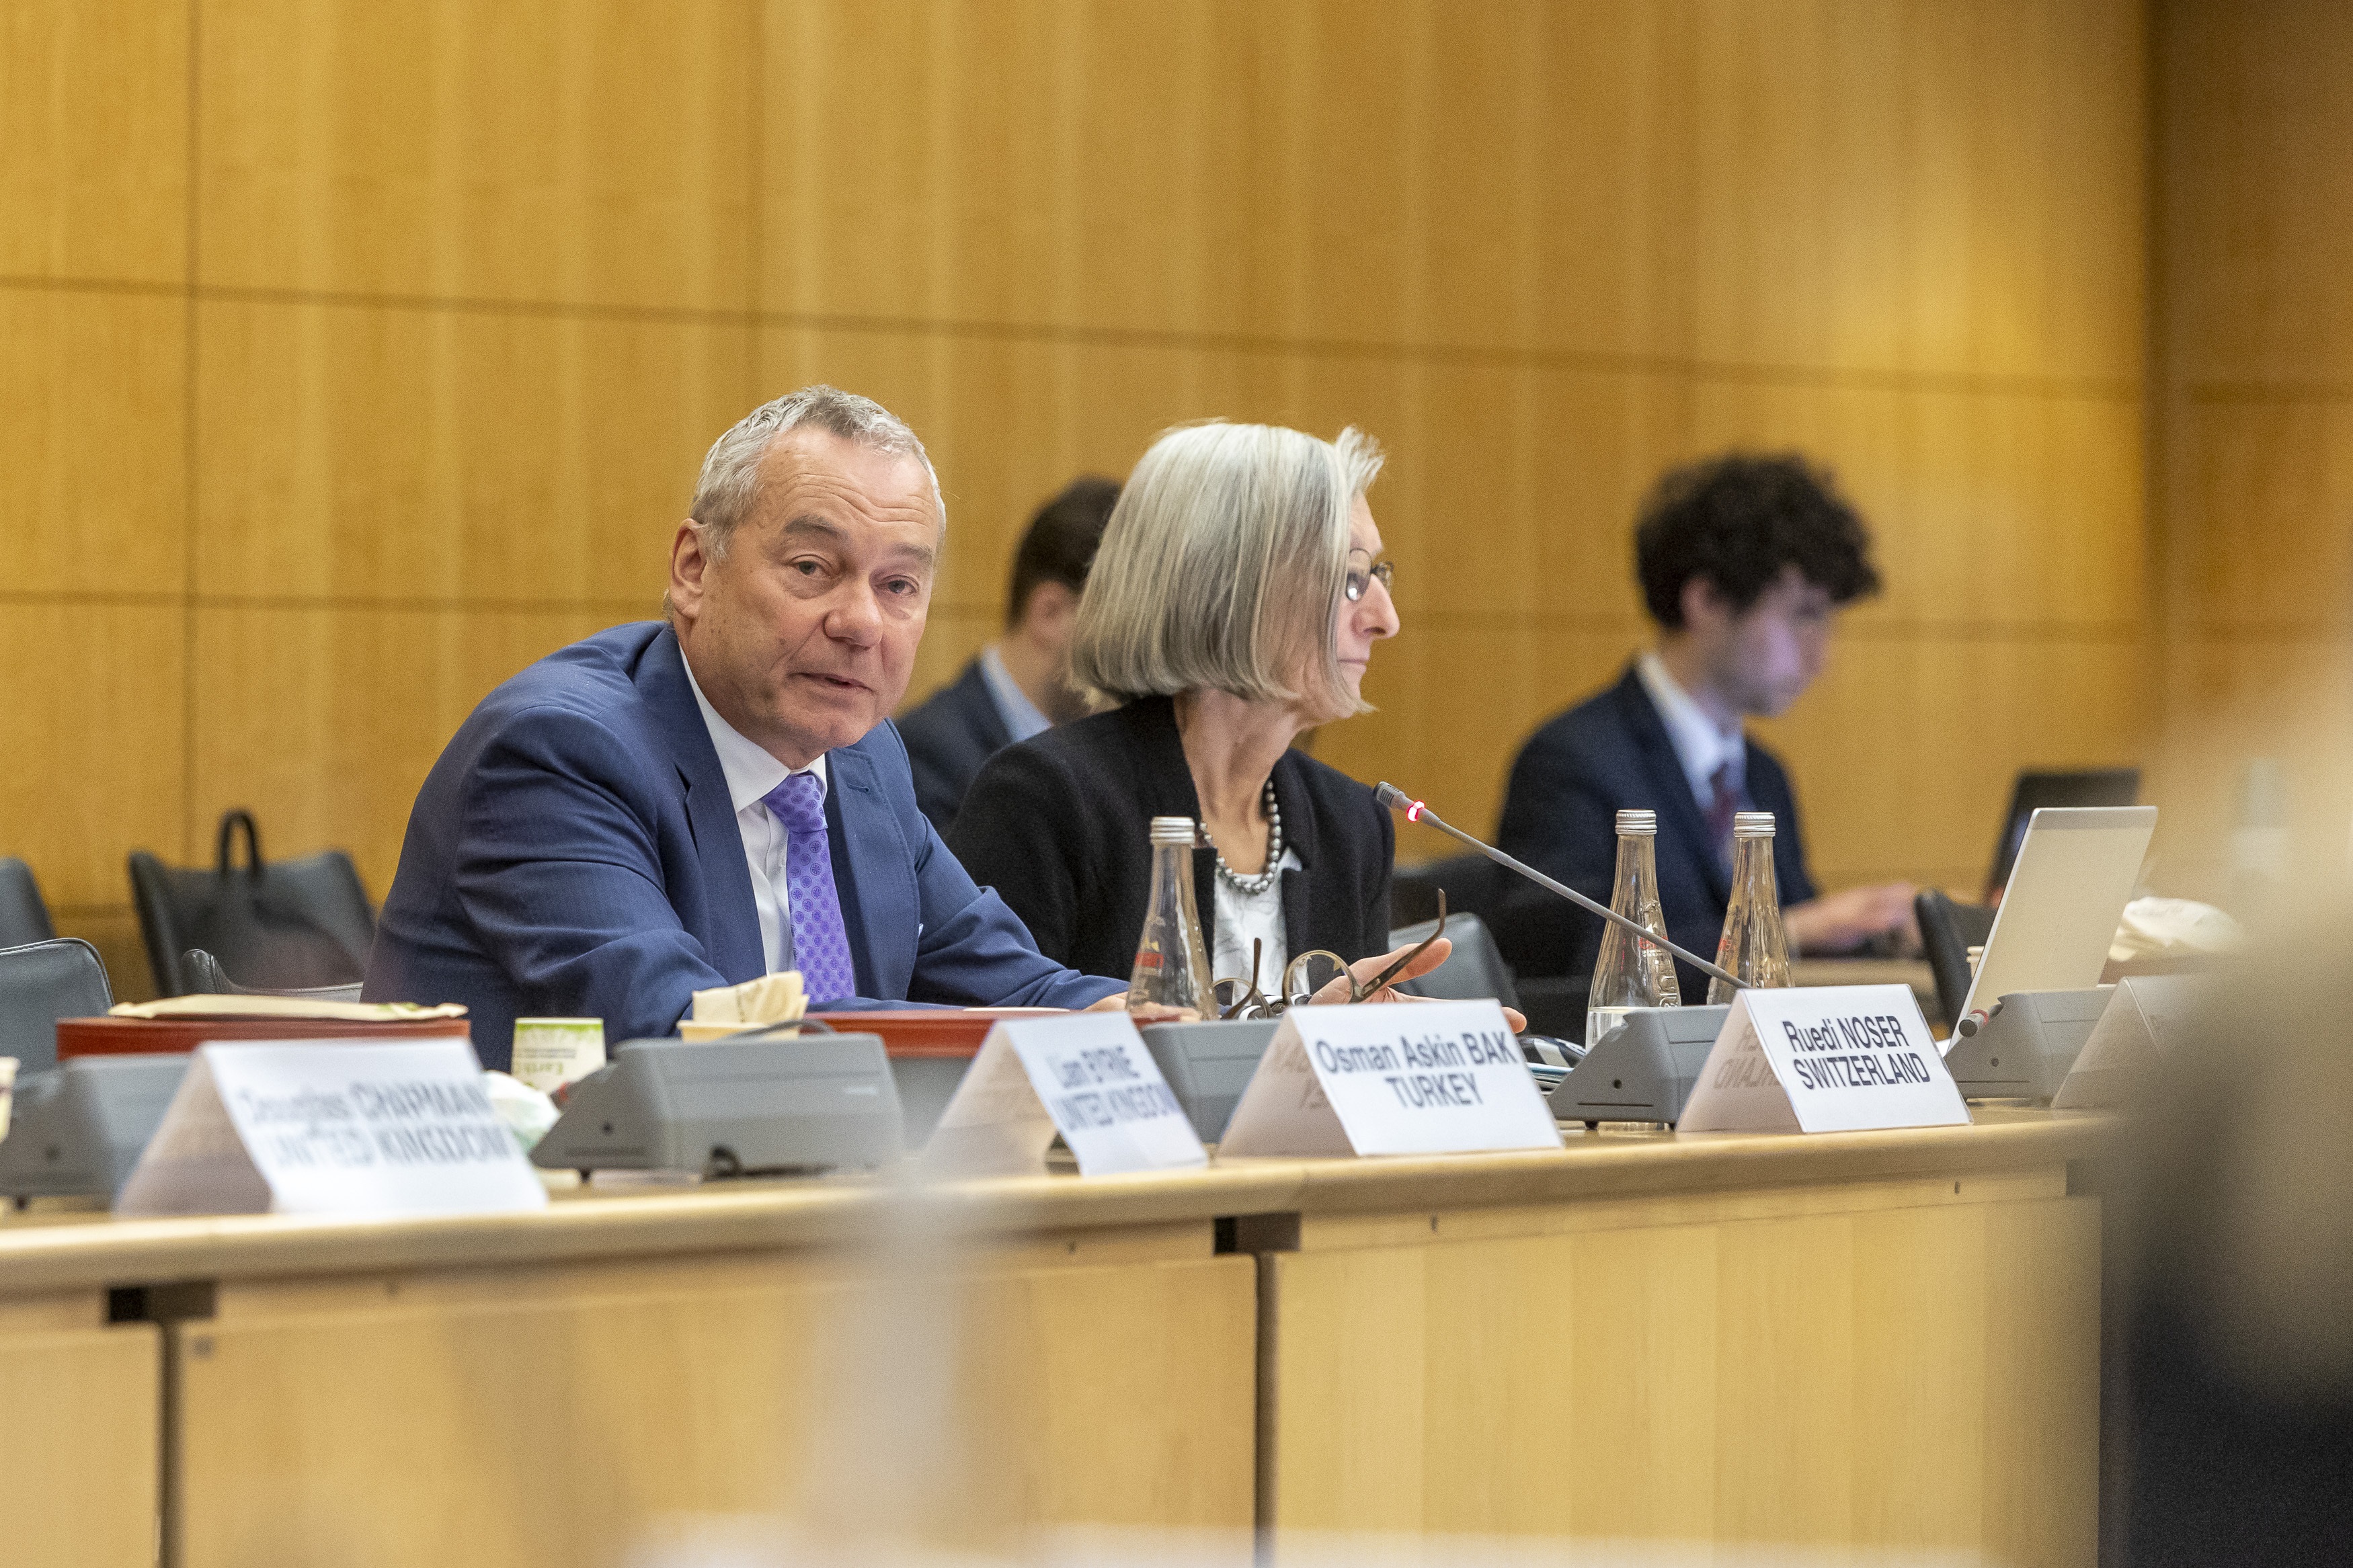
[
  {"x": 820, "y": 947},
  {"x": 1720, "y": 810}
]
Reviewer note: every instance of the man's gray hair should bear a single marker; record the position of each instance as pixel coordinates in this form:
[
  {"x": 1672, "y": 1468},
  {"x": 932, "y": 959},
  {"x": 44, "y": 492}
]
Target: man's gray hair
[
  {"x": 1221, "y": 569},
  {"x": 729, "y": 488}
]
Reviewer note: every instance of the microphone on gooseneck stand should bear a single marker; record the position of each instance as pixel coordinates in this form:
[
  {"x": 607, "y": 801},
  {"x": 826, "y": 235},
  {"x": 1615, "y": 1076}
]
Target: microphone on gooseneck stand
[{"x": 1396, "y": 799}]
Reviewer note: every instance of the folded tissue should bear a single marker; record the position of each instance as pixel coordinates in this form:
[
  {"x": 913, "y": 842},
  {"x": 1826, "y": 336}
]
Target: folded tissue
[{"x": 2174, "y": 928}]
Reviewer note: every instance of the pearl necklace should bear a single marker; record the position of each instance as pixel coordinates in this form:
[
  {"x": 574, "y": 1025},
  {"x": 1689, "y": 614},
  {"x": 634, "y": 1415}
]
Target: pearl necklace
[{"x": 1253, "y": 886}]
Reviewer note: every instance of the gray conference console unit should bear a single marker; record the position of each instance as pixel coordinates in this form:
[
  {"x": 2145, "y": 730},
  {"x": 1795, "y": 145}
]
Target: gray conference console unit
[
  {"x": 1643, "y": 1070},
  {"x": 1208, "y": 1065},
  {"x": 77, "y": 1129},
  {"x": 731, "y": 1107},
  {"x": 2027, "y": 1042}
]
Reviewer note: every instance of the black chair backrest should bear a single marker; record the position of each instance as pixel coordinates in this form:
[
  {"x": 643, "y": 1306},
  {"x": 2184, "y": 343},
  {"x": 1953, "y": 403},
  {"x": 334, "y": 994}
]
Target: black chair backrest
[
  {"x": 22, "y": 916},
  {"x": 1948, "y": 932},
  {"x": 1472, "y": 972},
  {"x": 1472, "y": 883},
  {"x": 297, "y": 923},
  {"x": 40, "y": 983},
  {"x": 206, "y": 978}
]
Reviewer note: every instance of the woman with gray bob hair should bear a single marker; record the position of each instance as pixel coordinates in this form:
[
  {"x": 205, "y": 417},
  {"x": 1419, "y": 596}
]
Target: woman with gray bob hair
[
  {"x": 1222, "y": 570},
  {"x": 1234, "y": 603}
]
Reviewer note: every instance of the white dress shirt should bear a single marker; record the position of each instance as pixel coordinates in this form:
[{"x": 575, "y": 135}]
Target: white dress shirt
[
  {"x": 752, "y": 773},
  {"x": 1700, "y": 745},
  {"x": 1241, "y": 917}
]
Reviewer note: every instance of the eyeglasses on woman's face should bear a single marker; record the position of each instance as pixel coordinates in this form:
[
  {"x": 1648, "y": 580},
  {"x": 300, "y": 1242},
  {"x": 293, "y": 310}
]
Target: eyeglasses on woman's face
[{"x": 1362, "y": 572}]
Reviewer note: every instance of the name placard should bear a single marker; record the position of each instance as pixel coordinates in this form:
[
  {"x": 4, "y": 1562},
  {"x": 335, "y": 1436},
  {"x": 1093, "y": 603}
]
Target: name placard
[
  {"x": 331, "y": 1127},
  {"x": 1442, "y": 1078},
  {"x": 1087, "y": 1075},
  {"x": 1828, "y": 1058}
]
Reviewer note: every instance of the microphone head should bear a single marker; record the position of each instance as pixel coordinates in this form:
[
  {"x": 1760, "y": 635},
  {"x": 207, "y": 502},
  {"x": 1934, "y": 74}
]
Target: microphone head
[{"x": 1396, "y": 799}]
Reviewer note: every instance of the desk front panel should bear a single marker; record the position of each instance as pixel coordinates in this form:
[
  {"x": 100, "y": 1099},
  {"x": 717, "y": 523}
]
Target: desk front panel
[
  {"x": 561, "y": 1416},
  {"x": 81, "y": 1434},
  {"x": 1899, "y": 1364}
]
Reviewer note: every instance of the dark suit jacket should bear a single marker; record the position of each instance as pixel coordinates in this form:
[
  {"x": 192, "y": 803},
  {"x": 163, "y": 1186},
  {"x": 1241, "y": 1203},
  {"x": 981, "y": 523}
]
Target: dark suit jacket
[
  {"x": 1560, "y": 815},
  {"x": 574, "y": 853},
  {"x": 1060, "y": 825},
  {"x": 955, "y": 729}
]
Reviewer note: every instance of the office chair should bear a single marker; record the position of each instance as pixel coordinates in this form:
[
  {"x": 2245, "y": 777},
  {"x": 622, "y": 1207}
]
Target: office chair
[
  {"x": 24, "y": 918},
  {"x": 1474, "y": 971},
  {"x": 206, "y": 978},
  {"x": 1948, "y": 932},
  {"x": 40, "y": 983},
  {"x": 294, "y": 924}
]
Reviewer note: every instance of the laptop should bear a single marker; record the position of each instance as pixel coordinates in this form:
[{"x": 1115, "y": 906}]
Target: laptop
[
  {"x": 2074, "y": 873},
  {"x": 2069, "y": 788},
  {"x": 2033, "y": 791}
]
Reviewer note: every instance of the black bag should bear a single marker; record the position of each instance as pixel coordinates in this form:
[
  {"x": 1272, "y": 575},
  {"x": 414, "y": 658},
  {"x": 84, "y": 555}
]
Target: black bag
[{"x": 299, "y": 923}]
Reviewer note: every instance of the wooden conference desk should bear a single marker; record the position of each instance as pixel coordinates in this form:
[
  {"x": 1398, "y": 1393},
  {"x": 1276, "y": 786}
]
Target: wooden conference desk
[{"x": 1877, "y": 1339}]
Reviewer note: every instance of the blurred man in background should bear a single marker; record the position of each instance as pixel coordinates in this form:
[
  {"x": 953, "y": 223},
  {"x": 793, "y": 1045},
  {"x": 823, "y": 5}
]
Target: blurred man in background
[
  {"x": 1019, "y": 684},
  {"x": 1744, "y": 563}
]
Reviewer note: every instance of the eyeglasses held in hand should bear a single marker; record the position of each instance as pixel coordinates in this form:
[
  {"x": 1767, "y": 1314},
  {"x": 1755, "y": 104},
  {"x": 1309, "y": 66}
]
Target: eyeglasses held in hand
[{"x": 1305, "y": 976}]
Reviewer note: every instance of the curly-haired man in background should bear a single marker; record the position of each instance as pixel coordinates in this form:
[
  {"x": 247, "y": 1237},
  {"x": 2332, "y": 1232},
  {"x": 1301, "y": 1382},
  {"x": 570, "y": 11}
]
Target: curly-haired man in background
[{"x": 1744, "y": 563}]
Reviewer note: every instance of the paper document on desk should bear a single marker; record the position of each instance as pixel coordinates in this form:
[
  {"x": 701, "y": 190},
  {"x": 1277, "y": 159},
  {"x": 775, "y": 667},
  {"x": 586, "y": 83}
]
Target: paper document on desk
[
  {"x": 254, "y": 1006},
  {"x": 330, "y": 1127}
]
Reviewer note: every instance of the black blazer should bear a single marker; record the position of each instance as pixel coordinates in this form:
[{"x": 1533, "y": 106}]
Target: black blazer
[
  {"x": 1560, "y": 815},
  {"x": 955, "y": 729},
  {"x": 1060, "y": 825}
]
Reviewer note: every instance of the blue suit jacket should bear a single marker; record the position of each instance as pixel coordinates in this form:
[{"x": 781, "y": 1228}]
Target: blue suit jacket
[
  {"x": 1560, "y": 815},
  {"x": 957, "y": 728},
  {"x": 574, "y": 854}
]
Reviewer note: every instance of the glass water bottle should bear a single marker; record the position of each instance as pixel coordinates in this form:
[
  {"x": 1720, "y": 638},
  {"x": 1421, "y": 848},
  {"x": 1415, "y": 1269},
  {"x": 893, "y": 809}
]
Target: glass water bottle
[
  {"x": 1632, "y": 972},
  {"x": 1754, "y": 947},
  {"x": 1172, "y": 966}
]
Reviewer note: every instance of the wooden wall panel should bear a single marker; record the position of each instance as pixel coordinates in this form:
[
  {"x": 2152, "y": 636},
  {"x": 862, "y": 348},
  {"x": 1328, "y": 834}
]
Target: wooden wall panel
[
  {"x": 1881, "y": 187},
  {"x": 1330, "y": 169},
  {"x": 325, "y": 719},
  {"x": 93, "y": 140},
  {"x": 360, "y": 452},
  {"x": 92, "y": 456},
  {"x": 92, "y": 734},
  {"x": 580, "y": 152},
  {"x": 2254, "y": 410},
  {"x": 470, "y": 290}
]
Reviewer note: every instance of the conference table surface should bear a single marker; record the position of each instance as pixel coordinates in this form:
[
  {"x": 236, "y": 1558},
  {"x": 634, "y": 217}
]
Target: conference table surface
[{"x": 1885, "y": 1339}]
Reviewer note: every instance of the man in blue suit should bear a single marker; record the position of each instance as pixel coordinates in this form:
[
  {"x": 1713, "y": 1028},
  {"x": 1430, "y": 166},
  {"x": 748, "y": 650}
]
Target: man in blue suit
[
  {"x": 671, "y": 806},
  {"x": 1019, "y": 685},
  {"x": 1744, "y": 563}
]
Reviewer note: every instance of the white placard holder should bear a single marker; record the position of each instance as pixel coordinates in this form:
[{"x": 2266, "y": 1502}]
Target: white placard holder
[
  {"x": 331, "y": 1127},
  {"x": 1823, "y": 1058},
  {"x": 1440, "y": 1078},
  {"x": 1087, "y": 1075}
]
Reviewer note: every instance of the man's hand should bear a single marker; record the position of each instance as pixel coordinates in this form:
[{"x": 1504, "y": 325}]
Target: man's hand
[{"x": 1836, "y": 922}]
